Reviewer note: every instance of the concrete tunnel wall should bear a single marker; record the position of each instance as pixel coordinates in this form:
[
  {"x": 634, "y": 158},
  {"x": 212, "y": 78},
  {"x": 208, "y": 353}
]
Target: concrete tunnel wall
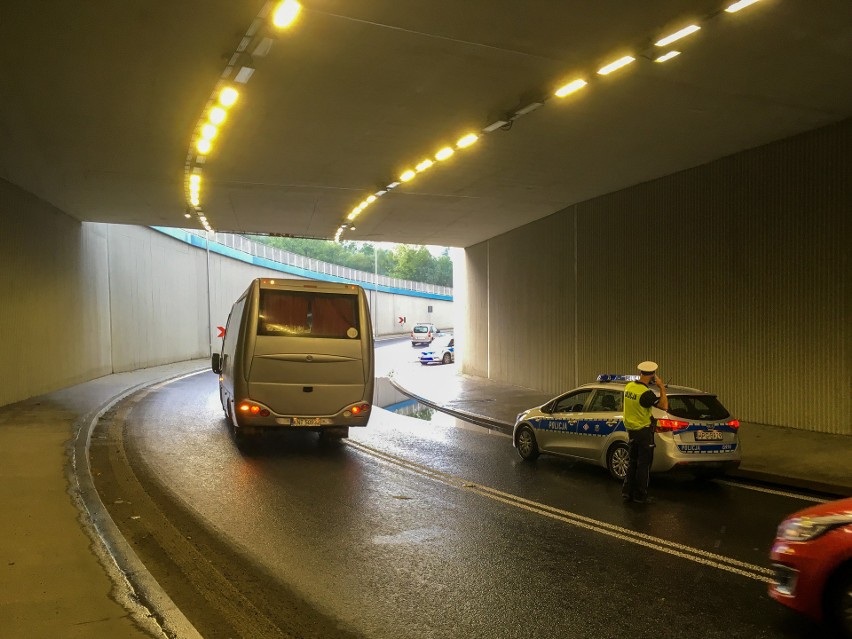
[
  {"x": 733, "y": 276},
  {"x": 83, "y": 300}
]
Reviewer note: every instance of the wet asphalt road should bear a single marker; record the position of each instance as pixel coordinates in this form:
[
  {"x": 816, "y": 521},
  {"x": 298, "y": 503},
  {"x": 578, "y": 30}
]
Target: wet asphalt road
[{"x": 418, "y": 528}]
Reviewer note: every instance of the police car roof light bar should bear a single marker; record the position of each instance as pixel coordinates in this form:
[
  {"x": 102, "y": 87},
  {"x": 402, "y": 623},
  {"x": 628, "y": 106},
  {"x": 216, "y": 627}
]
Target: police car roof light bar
[{"x": 618, "y": 378}]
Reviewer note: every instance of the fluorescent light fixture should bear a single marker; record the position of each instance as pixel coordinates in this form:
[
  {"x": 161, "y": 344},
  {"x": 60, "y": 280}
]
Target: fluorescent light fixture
[
  {"x": 352, "y": 215},
  {"x": 495, "y": 125},
  {"x": 264, "y": 46},
  {"x": 530, "y": 108},
  {"x": 677, "y": 35},
  {"x": 392, "y": 185},
  {"x": 228, "y": 96},
  {"x": 467, "y": 140},
  {"x": 363, "y": 205},
  {"x": 668, "y": 56},
  {"x": 195, "y": 179},
  {"x": 405, "y": 177},
  {"x": 203, "y": 146},
  {"x": 285, "y": 13},
  {"x": 614, "y": 66},
  {"x": 243, "y": 75},
  {"x": 371, "y": 199},
  {"x": 209, "y": 131},
  {"x": 444, "y": 153},
  {"x": 425, "y": 164},
  {"x": 742, "y": 4},
  {"x": 187, "y": 215},
  {"x": 194, "y": 200},
  {"x": 194, "y": 189},
  {"x": 569, "y": 88}
]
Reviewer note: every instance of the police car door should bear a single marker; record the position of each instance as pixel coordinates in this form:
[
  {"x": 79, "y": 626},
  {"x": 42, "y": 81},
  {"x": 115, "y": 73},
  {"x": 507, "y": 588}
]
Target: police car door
[
  {"x": 562, "y": 426},
  {"x": 601, "y": 418}
]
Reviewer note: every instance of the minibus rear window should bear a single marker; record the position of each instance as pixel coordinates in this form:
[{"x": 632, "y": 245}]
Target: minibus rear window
[{"x": 308, "y": 314}]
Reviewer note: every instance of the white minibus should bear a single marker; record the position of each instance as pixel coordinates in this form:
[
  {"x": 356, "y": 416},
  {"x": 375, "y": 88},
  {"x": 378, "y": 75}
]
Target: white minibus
[{"x": 297, "y": 354}]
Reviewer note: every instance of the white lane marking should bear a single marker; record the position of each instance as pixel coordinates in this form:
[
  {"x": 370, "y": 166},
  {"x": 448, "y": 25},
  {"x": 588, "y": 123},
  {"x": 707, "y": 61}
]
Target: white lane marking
[
  {"x": 752, "y": 571},
  {"x": 772, "y": 491}
]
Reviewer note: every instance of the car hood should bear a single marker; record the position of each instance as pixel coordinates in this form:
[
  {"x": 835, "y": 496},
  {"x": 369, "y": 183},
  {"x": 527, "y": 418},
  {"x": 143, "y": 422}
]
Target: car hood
[{"x": 838, "y": 507}]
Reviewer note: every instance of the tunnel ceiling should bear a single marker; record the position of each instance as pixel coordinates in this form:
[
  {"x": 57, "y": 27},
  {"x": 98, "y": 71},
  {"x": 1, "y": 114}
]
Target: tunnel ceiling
[{"x": 101, "y": 103}]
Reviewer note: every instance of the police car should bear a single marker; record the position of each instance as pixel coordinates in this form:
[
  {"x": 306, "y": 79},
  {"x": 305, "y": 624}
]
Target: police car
[
  {"x": 442, "y": 351},
  {"x": 696, "y": 433}
]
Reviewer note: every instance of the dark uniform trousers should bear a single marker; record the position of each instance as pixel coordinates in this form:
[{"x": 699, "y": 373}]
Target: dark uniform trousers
[{"x": 641, "y": 446}]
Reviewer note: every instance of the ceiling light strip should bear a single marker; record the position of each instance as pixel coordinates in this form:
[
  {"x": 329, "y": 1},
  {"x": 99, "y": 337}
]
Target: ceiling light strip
[
  {"x": 561, "y": 92},
  {"x": 225, "y": 96}
]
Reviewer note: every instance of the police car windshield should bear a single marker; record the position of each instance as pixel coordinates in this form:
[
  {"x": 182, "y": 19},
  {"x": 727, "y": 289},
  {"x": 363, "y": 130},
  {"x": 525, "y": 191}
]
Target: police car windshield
[{"x": 697, "y": 407}]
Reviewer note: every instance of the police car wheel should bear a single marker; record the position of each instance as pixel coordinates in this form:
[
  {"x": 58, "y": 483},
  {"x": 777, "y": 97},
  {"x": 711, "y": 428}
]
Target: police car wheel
[
  {"x": 446, "y": 358},
  {"x": 526, "y": 444},
  {"x": 839, "y": 602},
  {"x": 617, "y": 460}
]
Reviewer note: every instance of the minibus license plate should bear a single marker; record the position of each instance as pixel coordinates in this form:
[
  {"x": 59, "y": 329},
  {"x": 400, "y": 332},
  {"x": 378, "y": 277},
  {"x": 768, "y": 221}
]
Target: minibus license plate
[
  {"x": 707, "y": 435},
  {"x": 306, "y": 421}
]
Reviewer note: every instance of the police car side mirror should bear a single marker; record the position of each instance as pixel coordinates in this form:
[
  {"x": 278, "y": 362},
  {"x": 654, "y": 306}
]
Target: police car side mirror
[{"x": 216, "y": 363}]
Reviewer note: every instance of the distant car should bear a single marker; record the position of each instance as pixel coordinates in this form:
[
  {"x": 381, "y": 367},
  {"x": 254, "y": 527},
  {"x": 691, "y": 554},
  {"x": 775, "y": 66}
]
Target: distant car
[
  {"x": 812, "y": 560},
  {"x": 442, "y": 351},
  {"x": 696, "y": 433},
  {"x": 423, "y": 334}
]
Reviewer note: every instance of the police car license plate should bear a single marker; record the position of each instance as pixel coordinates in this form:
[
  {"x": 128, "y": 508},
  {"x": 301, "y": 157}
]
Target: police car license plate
[
  {"x": 708, "y": 435},
  {"x": 306, "y": 421}
]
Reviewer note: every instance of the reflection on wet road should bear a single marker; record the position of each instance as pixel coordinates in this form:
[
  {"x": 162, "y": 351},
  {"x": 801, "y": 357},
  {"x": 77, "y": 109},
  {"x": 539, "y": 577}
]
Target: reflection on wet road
[{"x": 423, "y": 526}]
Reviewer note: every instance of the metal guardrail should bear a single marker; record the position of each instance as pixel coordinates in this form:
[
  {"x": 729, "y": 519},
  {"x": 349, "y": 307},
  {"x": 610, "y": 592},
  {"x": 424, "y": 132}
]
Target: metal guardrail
[{"x": 242, "y": 243}]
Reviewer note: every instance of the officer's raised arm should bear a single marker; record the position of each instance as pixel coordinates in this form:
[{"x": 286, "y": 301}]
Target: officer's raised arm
[{"x": 663, "y": 404}]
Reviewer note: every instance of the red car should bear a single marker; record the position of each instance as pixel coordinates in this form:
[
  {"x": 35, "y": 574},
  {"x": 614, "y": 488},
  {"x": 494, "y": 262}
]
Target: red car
[{"x": 812, "y": 560}]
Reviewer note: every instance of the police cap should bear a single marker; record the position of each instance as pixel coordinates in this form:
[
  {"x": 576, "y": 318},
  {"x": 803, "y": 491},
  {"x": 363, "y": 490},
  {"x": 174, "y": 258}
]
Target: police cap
[{"x": 647, "y": 368}]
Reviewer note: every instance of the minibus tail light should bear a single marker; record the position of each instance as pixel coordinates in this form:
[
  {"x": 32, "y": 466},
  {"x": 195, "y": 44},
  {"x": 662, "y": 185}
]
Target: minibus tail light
[
  {"x": 253, "y": 409},
  {"x": 734, "y": 423}
]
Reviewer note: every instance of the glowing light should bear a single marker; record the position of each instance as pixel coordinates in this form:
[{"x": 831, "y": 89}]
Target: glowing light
[
  {"x": 286, "y": 13},
  {"x": 203, "y": 146},
  {"x": 353, "y": 214},
  {"x": 208, "y": 131},
  {"x": 194, "y": 200},
  {"x": 425, "y": 164},
  {"x": 194, "y": 179},
  {"x": 405, "y": 177},
  {"x": 228, "y": 96},
  {"x": 371, "y": 199},
  {"x": 668, "y": 56},
  {"x": 444, "y": 153},
  {"x": 614, "y": 66},
  {"x": 569, "y": 88},
  {"x": 467, "y": 140},
  {"x": 742, "y": 4},
  {"x": 677, "y": 35},
  {"x": 217, "y": 115}
]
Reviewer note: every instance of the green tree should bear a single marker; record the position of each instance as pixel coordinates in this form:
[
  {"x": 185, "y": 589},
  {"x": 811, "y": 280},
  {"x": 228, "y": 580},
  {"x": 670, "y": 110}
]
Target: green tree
[{"x": 404, "y": 262}]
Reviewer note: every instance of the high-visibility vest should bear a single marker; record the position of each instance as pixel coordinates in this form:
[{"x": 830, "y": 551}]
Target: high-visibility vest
[{"x": 636, "y": 416}]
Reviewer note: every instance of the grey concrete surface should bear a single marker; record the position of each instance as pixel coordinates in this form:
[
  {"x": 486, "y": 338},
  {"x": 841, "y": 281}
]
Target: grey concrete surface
[
  {"x": 57, "y": 578},
  {"x": 792, "y": 458}
]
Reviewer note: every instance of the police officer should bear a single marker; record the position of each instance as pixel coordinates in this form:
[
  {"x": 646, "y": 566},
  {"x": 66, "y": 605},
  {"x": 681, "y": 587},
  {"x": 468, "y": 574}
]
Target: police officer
[{"x": 638, "y": 400}]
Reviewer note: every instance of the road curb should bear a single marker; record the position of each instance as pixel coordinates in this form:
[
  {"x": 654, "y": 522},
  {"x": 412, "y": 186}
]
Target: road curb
[
  {"x": 474, "y": 418},
  {"x": 148, "y": 603}
]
